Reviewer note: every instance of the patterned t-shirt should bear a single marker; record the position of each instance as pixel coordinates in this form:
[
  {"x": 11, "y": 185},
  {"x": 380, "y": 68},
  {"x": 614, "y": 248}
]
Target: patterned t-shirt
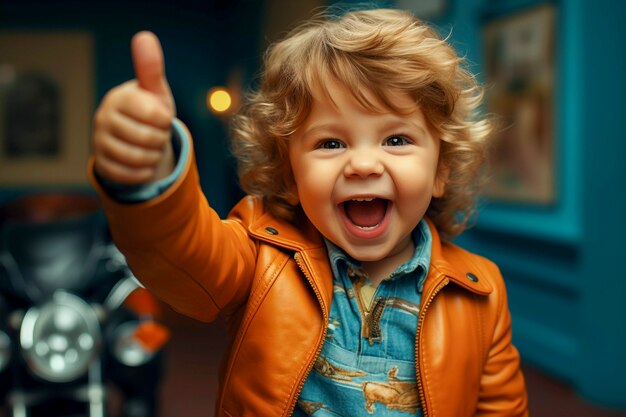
[{"x": 367, "y": 362}]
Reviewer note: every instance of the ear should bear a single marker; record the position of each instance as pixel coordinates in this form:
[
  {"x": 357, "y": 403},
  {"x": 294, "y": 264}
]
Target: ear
[{"x": 441, "y": 179}]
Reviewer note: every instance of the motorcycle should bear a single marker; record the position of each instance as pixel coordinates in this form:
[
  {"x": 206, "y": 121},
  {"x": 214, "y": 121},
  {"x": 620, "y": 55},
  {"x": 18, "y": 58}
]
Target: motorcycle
[{"x": 78, "y": 332}]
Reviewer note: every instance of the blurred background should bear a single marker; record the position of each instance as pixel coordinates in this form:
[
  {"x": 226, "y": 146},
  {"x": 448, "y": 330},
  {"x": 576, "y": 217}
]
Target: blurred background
[{"x": 552, "y": 217}]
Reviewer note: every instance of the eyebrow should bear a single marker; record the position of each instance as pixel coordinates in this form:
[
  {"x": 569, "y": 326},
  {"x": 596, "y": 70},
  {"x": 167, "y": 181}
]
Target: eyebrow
[
  {"x": 322, "y": 126},
  {"x": 411, "y": 124},
  {"x": 391, "y": 124}
]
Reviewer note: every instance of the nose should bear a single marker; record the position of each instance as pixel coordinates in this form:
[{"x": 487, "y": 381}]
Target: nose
[{"x": 364, "y": 163}]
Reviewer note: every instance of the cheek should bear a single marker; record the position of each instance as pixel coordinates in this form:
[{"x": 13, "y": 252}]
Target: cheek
[
  {"x": 302, "y": 181},
  {"x": 415, "y": 182},
  {"x": 312, "y": 181},
  {"x": 311, "y": 189}
]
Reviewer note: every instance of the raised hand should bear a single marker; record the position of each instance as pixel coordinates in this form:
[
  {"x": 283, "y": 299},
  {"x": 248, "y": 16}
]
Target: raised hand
[{"x": 132, "y": 125}]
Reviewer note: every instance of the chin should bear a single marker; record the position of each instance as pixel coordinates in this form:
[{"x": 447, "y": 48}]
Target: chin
[{"x": 367, "y": 257}]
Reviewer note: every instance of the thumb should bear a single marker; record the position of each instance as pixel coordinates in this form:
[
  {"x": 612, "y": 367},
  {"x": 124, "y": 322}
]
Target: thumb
[{"x": 149, "y": 66}]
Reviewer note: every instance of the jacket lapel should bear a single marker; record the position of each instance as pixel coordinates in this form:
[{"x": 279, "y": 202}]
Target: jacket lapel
[
  {"x": 308, "y": 246},
  {"x": 449, "y": 261}
]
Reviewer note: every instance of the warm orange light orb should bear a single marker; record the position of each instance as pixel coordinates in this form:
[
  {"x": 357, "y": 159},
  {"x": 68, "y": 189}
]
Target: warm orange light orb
[{"x": 219, "y": 100}]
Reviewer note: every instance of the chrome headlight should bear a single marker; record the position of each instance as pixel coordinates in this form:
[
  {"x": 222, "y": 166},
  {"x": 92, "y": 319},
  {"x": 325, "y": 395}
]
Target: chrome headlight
[
  {"x": 5, "y": 350},
  {"x": 127, "y": 349},
  {"x": 60, "y": 339}
]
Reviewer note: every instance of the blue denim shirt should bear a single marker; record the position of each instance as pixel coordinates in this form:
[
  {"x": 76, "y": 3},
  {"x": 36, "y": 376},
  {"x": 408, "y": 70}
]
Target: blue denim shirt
[{"x": 367, "y": 362}]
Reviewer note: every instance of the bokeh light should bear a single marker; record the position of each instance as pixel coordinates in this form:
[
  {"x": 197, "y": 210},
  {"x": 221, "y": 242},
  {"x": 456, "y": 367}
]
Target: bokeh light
[{"x": 219, "y": 100}]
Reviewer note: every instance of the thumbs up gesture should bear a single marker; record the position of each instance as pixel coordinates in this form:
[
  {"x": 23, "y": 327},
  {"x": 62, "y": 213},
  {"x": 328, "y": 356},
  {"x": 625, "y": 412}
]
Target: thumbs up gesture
[{"x": 132, "y": 125}]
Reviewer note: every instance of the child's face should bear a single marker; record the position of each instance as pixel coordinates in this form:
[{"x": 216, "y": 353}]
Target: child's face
[{"x": 365, "y": 179}]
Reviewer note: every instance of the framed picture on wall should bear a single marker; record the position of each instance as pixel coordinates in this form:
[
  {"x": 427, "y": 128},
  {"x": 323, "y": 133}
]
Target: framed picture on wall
[
  {"x": 520, "y": 50},
  {"x": 46, "y": 106}
]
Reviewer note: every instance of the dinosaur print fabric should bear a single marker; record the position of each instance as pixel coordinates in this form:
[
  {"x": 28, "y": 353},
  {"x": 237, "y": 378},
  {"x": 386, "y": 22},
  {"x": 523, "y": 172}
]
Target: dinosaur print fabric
[{"x": 367, "y": 363}]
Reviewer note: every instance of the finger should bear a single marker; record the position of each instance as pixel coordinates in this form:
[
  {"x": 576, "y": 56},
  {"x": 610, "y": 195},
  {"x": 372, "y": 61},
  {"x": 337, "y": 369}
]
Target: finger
[
  {"x": 137, "y": 133},
  {"x": 126, "y": 154},
  {"x": 139, "y": 104},
  {"x": 149, "y": 65},
  {"x": 121, "y": 174}
]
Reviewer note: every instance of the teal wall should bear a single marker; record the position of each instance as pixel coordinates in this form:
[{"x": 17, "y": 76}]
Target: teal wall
[{"x": 602, "y": 277}]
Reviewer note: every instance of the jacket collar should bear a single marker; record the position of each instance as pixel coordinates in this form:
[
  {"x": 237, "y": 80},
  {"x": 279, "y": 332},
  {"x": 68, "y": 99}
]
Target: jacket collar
[
  {"x": 447, "y": 260},
  {"x": 450, "y": 261},
  {"x": 308, "y": 245},
  {"x": 299, "y": 236}
]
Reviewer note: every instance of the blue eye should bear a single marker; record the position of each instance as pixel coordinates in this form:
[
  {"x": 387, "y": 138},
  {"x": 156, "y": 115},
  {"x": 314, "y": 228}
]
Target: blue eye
[
  {"x": 330, "y": 144},
  {"x": 396, "y": 140}
]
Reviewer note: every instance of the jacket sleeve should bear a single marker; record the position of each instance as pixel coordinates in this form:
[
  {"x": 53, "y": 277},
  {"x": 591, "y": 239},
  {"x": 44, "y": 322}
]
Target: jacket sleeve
[
  {"x": 502, "y": 386},
  {"x": 180, "y": 249}
]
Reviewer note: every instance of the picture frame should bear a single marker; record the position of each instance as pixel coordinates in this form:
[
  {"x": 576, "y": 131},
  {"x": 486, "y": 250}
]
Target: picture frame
[
  {"x": 46, "y": 107},
  {"x": 520, "y": 78}
]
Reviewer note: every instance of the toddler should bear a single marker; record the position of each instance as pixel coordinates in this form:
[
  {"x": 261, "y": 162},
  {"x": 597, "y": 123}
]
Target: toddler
[{"x": 360, "y": 153}]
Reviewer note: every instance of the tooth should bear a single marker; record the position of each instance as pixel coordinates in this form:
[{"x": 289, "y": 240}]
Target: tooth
[
  {"x": 368, "y": 227},
  {"x": 363, "y": 199}
]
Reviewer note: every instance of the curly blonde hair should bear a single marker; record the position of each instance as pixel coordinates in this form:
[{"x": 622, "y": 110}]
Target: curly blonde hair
[{"x": 371, "y": 51}]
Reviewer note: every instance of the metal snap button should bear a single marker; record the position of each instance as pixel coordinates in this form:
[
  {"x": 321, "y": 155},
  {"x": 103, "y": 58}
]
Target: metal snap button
[
  {"x": 471, "y": 277},
  {"x": 271, "y": 230}
]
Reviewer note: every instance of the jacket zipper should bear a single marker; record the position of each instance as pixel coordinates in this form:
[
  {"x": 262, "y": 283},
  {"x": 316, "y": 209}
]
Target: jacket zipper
[
  {"x": 320, "y": 343},
  {"x": 420, "y": 386}
]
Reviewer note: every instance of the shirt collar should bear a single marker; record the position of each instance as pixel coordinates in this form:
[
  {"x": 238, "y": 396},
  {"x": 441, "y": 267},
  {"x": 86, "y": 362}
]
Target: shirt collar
[{"x": 340, "y": 261}]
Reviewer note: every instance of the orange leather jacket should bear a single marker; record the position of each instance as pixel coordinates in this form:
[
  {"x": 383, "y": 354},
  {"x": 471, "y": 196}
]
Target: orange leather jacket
[{"x": 272, "y": 282}]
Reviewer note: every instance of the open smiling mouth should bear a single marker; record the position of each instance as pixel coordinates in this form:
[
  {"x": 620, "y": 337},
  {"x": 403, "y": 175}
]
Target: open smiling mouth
[{"x": 366, "y": 213}]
